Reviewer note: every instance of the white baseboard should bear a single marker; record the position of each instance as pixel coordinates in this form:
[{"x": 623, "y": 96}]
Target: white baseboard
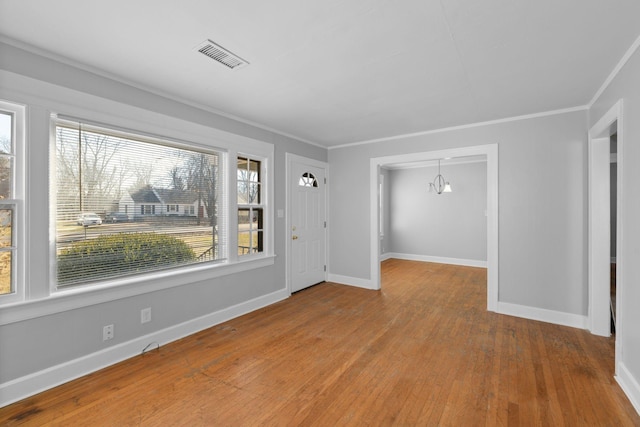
[
  {"x": 351, "y": 281},
  {"x": 629, "y": 385},
  {"x": 543, "y": 315},
  {"x": 438, "y": 259},
  {"x": 385, "y": 256},
  {"x": 20, "y": 388}
]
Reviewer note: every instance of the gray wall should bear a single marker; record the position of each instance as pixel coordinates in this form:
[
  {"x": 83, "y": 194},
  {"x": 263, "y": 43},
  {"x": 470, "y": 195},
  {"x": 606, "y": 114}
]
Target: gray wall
[
  {"x": 626, "y": 85},
  {"x": 33, "y": 345},
  {"x": 542, "y": 205},
  {"x": 450, "y": 225}
]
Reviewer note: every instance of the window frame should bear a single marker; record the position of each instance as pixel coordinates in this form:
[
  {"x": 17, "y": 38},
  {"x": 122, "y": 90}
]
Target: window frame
[
  {"x": 38, "y": 294},
  {"x": 145, "y": 209},
  {"x": 16, "y": 202},
  {"x": 231, "y": 263},
  {"x": 251, "y": 207}
]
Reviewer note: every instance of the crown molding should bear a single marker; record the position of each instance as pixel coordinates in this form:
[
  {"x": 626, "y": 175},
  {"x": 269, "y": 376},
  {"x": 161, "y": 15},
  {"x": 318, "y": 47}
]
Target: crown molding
[
  {"x": 70, "y": 62},
  {"x": 467, "y": 126},
  {"x": 625, "y": 58},
  {"x": 93, "y": 70}
]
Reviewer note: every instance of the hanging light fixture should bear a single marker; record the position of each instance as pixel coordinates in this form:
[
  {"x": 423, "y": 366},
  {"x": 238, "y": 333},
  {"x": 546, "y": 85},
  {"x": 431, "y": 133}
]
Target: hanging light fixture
[{"x": 439, "y": 185}]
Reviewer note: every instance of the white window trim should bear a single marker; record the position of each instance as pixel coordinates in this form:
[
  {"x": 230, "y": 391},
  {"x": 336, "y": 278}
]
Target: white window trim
[
  {"x": 18, "y": 177},
  {"x": 381, "y": 203},
  {"x": 47, "y": 300},
  {"x": 267, "y": 219}
]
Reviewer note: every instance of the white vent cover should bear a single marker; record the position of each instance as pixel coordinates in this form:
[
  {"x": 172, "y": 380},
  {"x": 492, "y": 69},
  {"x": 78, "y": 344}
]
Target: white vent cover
[{"x": 220, "y": 54}]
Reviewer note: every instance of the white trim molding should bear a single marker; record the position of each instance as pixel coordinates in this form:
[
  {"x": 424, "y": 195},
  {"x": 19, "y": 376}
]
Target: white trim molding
[
  {"x": 351, "y": 281},
  {"x": 20, "y": 388},
  {"x": 385, "y": 256},
  {"x": 152, "y": 90},
  {"x": 438, "y": 259},
  {"x": 599, "y": 234},
  {"x": 629, "y": 385},
  {"x": 628, "y": 54},
  {"x": 491, "y": 153},
  {"x": 465, "y": 126},
  {"x": 72, "y": 299},
  {"x": 543, "y": 315}
]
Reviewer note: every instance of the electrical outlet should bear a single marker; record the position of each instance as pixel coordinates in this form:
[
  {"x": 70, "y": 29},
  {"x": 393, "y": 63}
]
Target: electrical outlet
[
  {"x": 145, "y": 315},
  {"x": 107, "y": 333}
]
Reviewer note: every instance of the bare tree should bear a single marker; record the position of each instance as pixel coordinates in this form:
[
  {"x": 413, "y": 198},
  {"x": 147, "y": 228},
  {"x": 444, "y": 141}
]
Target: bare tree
[
  {"x": 143, "y": 173},
  {"x": 248, "y": 185},
  {"x": 177, "y": 179},
  {"x": 201, "y": 172},
  {"x": 90, "y": 171},
  {"x": 5, "y": 168}
]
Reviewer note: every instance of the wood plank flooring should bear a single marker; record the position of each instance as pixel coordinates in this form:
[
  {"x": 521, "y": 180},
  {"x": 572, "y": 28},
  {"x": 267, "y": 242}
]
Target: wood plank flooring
[{"x": 423, "y": 351}]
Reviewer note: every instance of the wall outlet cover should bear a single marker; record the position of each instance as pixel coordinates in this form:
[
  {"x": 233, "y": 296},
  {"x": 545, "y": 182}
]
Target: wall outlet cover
[{"x": 145, "y": 315}]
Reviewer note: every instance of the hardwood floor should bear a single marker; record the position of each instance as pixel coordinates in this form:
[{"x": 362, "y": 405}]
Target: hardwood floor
[{"x": 423, "y": 351}]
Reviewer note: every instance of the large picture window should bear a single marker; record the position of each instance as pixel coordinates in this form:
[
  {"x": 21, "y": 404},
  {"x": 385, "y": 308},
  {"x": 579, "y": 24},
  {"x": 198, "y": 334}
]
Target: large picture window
[
  {"x": 129, "y": 204},
  {"x": 114, "y": 212}
]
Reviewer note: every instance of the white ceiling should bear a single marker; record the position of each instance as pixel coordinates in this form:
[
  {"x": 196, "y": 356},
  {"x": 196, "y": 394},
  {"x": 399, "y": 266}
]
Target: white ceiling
[{"x": 337, "y": 72}]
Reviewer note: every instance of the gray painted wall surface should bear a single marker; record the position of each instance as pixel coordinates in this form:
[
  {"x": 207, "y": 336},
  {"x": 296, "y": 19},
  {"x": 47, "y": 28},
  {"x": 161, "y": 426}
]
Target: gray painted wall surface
[
  {"x": 626, "y": 85},
  {"x": 451, "y": 225},
  {"x": 542, "y": 205},
  {"x": 33, "y": 345}
]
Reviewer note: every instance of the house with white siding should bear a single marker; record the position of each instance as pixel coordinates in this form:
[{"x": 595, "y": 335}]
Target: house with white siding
[{"x": 150, "y": 201}]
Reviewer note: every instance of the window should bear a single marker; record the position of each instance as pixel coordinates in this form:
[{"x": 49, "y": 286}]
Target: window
[
  {"x": 11, "y": 141},
  {"x": 147, "y": 210},
  {"x": 250, "y": 207},
  {"x": 100, "y": 179},
  {"x": 118, "y": 195},
  {"x": 308, "y": 180}
]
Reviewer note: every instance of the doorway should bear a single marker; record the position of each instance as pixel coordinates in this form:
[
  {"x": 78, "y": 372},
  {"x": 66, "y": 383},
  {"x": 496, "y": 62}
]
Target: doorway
[
  {"x": 491, "y": 153},
  {"x": 601, "y": 245},
  {"x": 306, "y": 222},
  {"x": 613, "y": 208}
]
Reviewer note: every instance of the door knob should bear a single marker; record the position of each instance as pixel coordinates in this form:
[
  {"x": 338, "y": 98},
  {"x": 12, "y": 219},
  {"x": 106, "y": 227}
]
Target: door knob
[{"x": 294, "y": 237}]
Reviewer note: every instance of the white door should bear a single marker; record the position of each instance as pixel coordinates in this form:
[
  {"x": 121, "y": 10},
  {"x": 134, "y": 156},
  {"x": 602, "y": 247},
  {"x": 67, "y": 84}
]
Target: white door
[{"x": 307, "y": 222}]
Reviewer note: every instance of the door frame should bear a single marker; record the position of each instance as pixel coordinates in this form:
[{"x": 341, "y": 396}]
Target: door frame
[
  {"x": 291, "y": 158},
  {"x": 491, "y": 151},
  {"x": 599, "y": 316}
]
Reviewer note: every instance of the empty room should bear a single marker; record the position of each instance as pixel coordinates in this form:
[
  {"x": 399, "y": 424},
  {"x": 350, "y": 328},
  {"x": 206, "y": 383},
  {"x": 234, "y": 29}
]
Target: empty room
[{"x": 319, "y": 213}]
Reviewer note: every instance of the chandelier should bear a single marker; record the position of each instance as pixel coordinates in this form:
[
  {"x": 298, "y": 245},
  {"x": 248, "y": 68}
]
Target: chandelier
[{"x": 439, "y": 184}]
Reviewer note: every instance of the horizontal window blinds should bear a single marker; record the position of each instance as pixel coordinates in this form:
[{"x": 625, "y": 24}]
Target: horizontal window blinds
[{"x": 128, "y": 204}]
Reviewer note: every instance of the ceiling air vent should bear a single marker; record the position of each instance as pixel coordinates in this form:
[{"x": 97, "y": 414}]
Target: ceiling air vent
[{"x": 220, "y": 54}]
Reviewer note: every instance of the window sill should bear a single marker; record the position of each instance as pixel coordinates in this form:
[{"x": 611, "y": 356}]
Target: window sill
[{"x": 78, "y": 297}]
